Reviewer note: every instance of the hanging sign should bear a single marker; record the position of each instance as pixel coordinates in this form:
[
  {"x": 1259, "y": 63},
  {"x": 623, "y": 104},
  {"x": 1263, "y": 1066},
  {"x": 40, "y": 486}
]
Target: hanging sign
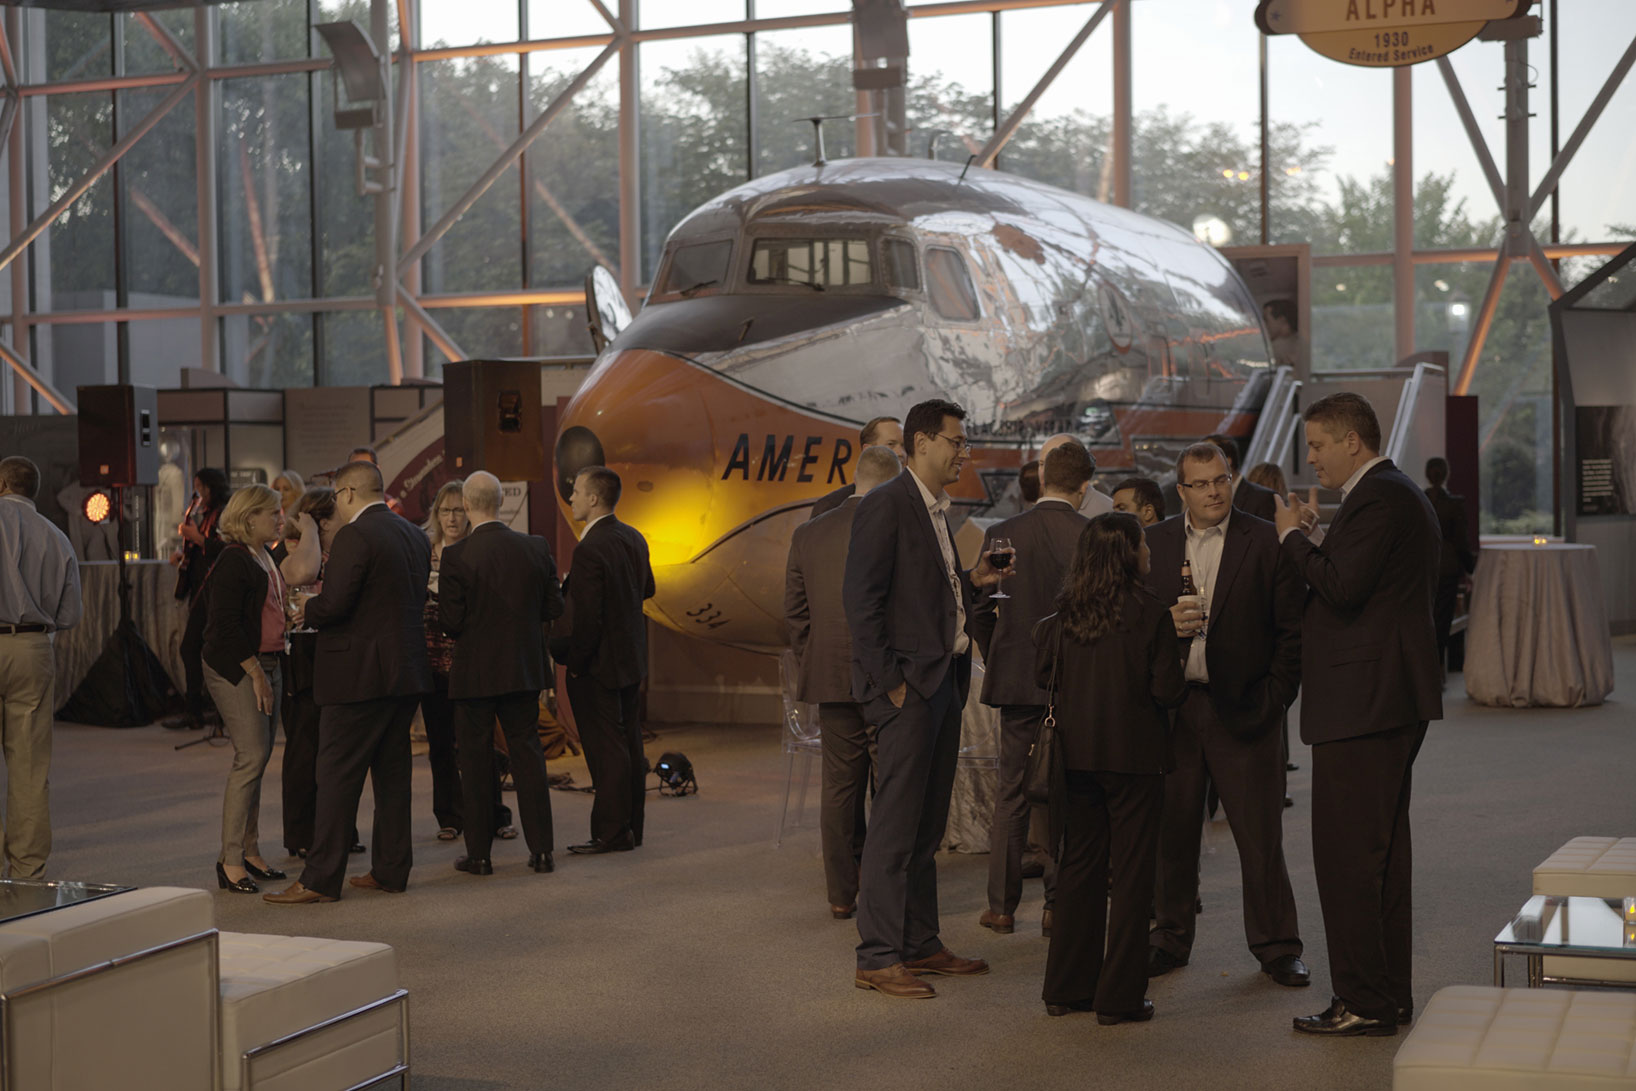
[{"x": 1383, "y": 33}]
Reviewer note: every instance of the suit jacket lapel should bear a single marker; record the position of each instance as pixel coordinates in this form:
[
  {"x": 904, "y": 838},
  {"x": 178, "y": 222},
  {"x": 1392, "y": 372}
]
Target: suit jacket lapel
[
  {"x": 923, "y": 515},
  {"x": 1232, "y": 555}
]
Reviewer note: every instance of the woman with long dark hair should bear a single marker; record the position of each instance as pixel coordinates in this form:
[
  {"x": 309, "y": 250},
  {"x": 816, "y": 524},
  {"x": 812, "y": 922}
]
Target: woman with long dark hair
[
  {"x": 1112, "y": 660},
  {"x": 201, "y": 544}
]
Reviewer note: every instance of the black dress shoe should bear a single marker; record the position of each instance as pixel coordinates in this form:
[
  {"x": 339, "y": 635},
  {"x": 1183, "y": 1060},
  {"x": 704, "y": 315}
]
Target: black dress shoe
[
  {"x": 1337, "y": 1022},
  {"x": 474, "y": 866},
  {"x": 1140, "y": 1015},
  {"x": 1161, "y": 962},
  {"x": 542, "y": 862},
  {"x": 357, "y": 847},
  {"x": 595, "y": 846},
  {"x": 1405, "y": 1016},
  {"x": 270, "y": 873},
  {"x": 245, "y": 885},
  {"x": 1290, "y": 766},
  {"x": 1287, "y": 970},
  {"x": 1069, "y": 1008}
]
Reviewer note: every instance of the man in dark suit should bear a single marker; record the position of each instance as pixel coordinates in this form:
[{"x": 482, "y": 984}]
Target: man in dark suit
[
  {"x": 907, "y": 605},
  {"x": 369, "y": 673},
  {"x": 1455, "y": 557},
  {"x": 1369, "y": 668},
  {"x": 816, "y": 620},
  {"x": 880, "y": 432},
  {"x": 1044, "y": 538},
  {"x": 606, "y": 653},
  {"x": 497, "y": 589},
  {"x": 1247, "y": 495},
  {"x": 1243, "y": 669}
]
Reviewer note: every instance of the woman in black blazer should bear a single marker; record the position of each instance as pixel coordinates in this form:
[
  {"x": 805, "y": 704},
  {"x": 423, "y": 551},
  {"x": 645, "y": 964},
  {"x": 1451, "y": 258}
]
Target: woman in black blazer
[
  {"x": 1109, "y": 654},
  {"x": 244, "y": 639}
]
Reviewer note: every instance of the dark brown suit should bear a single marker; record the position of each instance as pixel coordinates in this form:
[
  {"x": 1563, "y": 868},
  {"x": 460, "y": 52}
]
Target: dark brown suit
[
  {"x": 1454, "y": 559},
  {"x": 1255, "y": 499},
  {"x": 816, "y": 619},
  {"x": 1045, "y": 537},
  {"x": 1229, "y": 731},
  {"x": 1371, "y": 682}
]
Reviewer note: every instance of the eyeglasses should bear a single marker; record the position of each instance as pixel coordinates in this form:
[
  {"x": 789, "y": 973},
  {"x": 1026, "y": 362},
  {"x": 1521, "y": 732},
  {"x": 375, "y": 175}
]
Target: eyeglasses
[
  {"x": 959, "y": 443},
  {"x": 1215, "y": 483},
  {"x": 345, "y": 488}
]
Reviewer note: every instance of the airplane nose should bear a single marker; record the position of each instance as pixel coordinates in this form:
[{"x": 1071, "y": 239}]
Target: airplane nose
[{"x": 577, "y": 448}]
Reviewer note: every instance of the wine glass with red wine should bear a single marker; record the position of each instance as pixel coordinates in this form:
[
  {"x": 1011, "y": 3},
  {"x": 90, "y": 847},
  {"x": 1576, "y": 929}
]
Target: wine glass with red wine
[{"x": 1000, "y": 554}]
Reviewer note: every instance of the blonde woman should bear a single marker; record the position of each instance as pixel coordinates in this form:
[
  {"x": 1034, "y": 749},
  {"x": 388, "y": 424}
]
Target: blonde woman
[
  {"x": 290, "y": 488},
  {"x": 446, "y": 525},
  {"x": 245, "y": 599}
]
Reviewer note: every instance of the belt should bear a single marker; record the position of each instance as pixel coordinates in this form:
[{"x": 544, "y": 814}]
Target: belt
[{"x": 12, "y": 630}]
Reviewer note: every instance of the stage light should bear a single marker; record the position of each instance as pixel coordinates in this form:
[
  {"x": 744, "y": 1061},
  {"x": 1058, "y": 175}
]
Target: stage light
[
  {"x": 675, "y": 774},
  {"x": 98, "y": 506}
]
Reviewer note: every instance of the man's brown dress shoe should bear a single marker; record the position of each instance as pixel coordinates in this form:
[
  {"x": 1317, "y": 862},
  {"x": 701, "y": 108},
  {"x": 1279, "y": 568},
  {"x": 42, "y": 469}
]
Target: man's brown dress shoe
[
  {"x": 1045, "y": 924},
  {"x": 894, "y": 981},
  {"x": 1003, "y": 923},
  {"x": 843, "y": 912},
  {"x": 296, "y": 894},
  {"x": 367, "y": 881},
  {"x": 947, "y": 963}
]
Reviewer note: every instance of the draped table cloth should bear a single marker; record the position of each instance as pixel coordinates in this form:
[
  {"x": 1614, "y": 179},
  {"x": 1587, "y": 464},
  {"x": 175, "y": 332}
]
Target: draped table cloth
[
  {"x": 159, "y": 617},
  {"x": 1537, "y": 633}
]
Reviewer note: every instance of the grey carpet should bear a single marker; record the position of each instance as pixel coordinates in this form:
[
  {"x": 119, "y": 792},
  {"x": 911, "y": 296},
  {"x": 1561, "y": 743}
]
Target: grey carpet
[{"x": 707, "y": 958}]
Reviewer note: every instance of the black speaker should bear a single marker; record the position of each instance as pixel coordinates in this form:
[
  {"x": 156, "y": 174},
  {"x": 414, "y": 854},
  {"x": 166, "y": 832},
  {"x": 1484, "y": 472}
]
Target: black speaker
[
  {"x": 119, "y": 435},
  {"x": 492, "y": 421}
]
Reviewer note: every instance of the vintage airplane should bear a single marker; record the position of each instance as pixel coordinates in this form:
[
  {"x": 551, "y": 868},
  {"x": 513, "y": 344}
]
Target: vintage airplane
[{"x": 790, "y": 310}]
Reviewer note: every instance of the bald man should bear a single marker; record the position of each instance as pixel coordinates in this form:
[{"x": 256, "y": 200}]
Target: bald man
[{"x": 1095, "y": 503}]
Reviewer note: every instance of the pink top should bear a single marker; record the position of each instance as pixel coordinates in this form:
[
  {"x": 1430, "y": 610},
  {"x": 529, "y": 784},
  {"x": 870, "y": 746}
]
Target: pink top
[{"x": 272, "y": 613}]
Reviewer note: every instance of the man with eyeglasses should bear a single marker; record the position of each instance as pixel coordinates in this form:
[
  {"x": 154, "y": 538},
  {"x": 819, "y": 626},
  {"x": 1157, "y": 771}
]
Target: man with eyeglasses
[
  {"x": 908, "y": 605},
  {"x": 1242, "y": 658},
  {"x": 368, "y": 675}
]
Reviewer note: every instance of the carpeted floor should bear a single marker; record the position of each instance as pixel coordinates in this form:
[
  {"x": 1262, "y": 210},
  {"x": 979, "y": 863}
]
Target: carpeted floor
[{"x": 707, "y": 959}]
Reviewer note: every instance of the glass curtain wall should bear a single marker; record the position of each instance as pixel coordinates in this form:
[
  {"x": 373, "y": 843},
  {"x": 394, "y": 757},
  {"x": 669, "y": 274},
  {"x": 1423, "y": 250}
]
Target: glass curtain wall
[{"x": 114, "y": 281}]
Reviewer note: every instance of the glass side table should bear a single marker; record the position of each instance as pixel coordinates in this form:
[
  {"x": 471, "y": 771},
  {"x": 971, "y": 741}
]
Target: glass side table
[
  {"x": 1550, "y": 924},
  {"x": 26, "y": 897}
]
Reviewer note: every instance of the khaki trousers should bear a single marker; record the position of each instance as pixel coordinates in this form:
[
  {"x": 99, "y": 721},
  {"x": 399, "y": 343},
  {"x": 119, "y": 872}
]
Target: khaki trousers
[{"x": 27, "y": 679}]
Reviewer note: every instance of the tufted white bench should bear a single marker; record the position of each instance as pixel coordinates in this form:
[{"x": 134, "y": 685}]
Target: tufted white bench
[
  {"x": 1589, "y": 867},
  {"x": 306, "y": 1014},
  {"x": 1472, "y": 1036}
]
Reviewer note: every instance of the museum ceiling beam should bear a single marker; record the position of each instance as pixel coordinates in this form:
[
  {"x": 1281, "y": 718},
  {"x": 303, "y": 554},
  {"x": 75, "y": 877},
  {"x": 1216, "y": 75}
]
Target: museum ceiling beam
[{"x": 1008, "y": 128}]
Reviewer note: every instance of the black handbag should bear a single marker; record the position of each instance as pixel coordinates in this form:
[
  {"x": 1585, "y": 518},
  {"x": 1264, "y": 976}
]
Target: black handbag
[{"x": 1042, "y": 756}]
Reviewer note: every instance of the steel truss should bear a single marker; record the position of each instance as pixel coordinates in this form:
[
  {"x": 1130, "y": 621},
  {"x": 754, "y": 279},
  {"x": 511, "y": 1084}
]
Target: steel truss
[{"x": 402, "y": 241}]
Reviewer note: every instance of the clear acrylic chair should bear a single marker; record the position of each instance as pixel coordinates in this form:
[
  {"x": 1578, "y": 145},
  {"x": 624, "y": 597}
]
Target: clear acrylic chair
[{"x": 801, "y": 739}]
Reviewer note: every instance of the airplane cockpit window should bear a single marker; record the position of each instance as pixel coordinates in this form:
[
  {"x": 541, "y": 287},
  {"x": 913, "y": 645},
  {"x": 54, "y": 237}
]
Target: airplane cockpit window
[
  {"x": 818, "y": 264},
  {"x": 696, "y": 267},
  {"x": 901, "y": 271},
  {"x": 949, "y": 285}
]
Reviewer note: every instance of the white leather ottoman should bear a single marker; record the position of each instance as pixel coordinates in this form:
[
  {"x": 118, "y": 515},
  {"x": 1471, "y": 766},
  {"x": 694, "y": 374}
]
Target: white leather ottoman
[
  {"x": 306, "y": 1014},
  {"x": 115, "y": 992},
  {"x": 1488, "y": 1039},
  {"x": 1590, "y": 867}
]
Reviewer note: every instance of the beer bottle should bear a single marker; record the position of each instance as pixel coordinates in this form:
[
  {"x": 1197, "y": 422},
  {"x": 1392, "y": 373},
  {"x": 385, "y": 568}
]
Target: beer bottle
[{"x": 1188, "y": 586}]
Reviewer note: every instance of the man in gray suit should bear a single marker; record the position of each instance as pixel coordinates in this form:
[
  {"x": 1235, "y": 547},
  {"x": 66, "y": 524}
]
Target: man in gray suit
[
  {"x": 823, "y": 649},
  {"x": 1044, "y": 538}
]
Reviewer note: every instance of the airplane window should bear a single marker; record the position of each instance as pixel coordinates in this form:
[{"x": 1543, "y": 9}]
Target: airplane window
[
  {"x": 950, "y": 285},
  {"x": 814, "y": 263},
  {"x": 702, "y": 265},
  {"x": 901, "y": 271}
]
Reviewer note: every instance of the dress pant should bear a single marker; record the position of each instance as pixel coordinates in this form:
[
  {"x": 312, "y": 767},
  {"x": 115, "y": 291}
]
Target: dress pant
[
  {"x": 844, "y": 741},
  {"x": 437, "y": 712},
  {"x": 916, "y": 748},
  {"x": 610, "y": 730},
  {"x": 1443, "y": 603},
  {"x": 474, "y": 725},
  {"x": 353, "y": 739},
  {"x": 1249, "y": 779},
  {"x": 28, "y": 674},
  {"x": 1363, "y": 862},
  {"x": 1008, "y": 834},
  {"x": 299, "y": 770},
  {"x": 252, "y": 732},
  {"x": 1110, "y": 827}
]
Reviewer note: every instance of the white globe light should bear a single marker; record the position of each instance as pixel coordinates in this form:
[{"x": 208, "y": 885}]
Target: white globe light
[{"x": 1212, "y": 230}]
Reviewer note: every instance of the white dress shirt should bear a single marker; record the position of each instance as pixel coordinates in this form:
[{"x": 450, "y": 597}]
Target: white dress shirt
[
  {"x": 1357, "y": 475},
  {"x": 1203, "y": 551},
  {"x": 366, "y": 507},
  {"x": 936, "y": 506}
]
